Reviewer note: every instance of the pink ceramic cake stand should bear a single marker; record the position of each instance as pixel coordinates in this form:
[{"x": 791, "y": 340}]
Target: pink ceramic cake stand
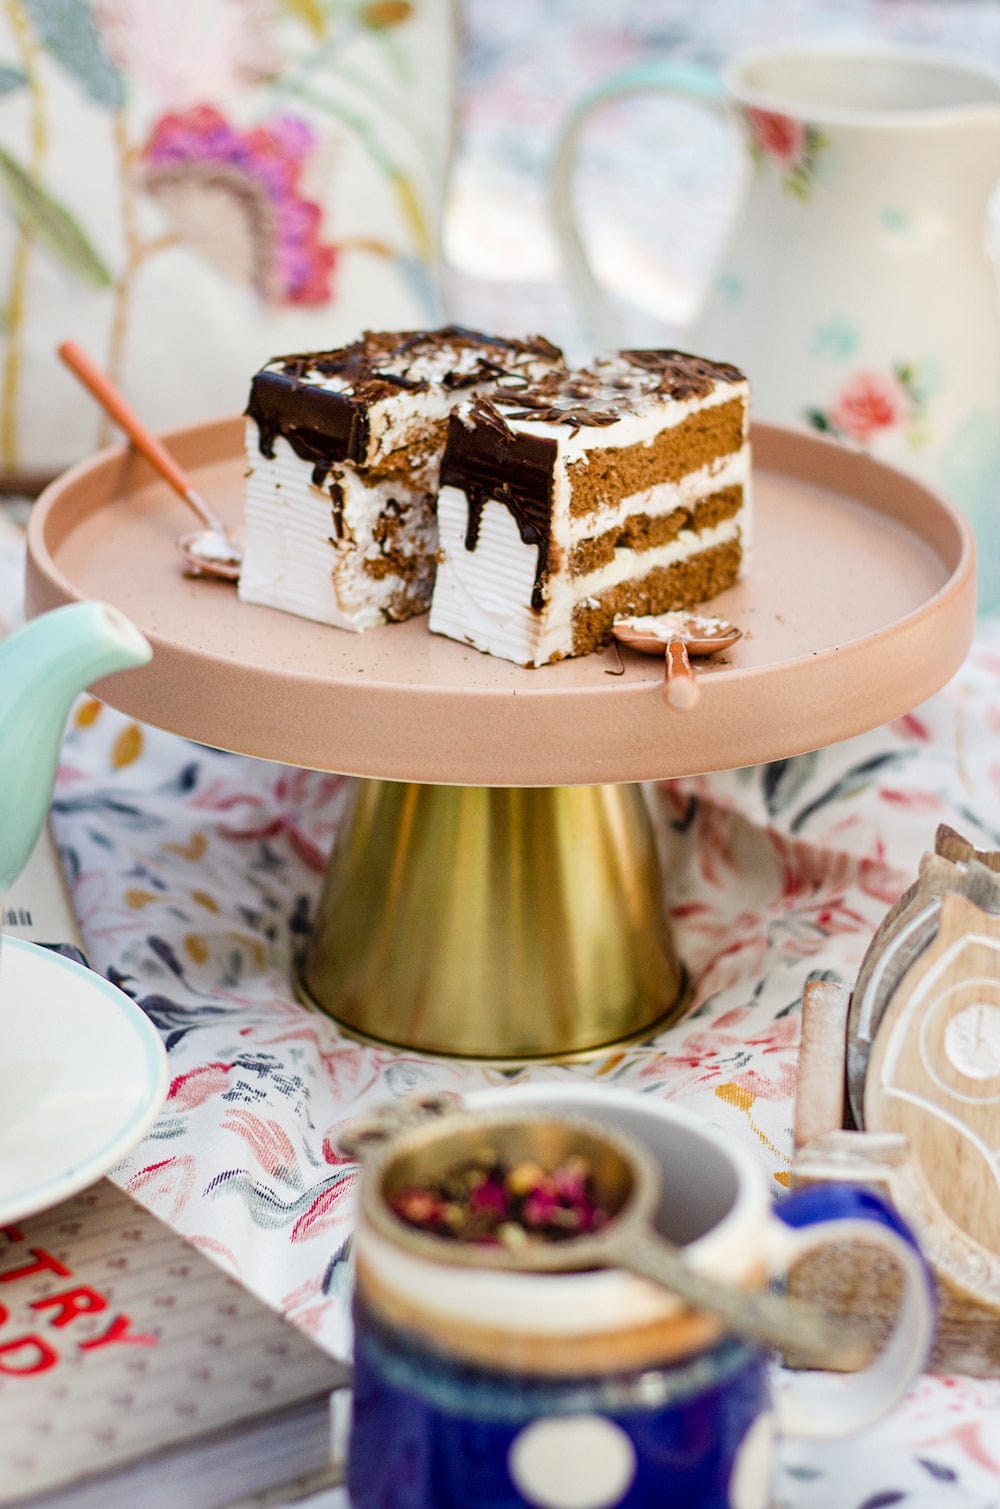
[{"x": 496, "y": 893}]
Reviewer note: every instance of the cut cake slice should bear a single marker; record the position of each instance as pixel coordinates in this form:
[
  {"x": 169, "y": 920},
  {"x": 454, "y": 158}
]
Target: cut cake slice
[
  {"x": 343, "y": 449},
  {"x": 618, "y": 489}
]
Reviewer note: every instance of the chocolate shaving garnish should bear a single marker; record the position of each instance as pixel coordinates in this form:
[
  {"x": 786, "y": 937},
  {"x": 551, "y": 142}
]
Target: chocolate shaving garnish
[
  {"x": 539, "y": 346},
  {"x": 619, "y": 670},
  {"x": 578, "y": 418},
  {"x": 540, "y": 400},
  {"x": 484, "y": 411},
  {"x": 528, "y": 398},
  {"x": 625, "y": 384},
  {"x": 683, "y": 375},
  {"x": 397, "y": 380},
  {"x": 365, "y": 365}
]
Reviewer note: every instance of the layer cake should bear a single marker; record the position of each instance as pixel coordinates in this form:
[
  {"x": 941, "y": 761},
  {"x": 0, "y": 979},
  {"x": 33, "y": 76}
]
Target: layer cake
[
  {"x": 343, "y": 449},
  {"x": 622, "y": 488}
]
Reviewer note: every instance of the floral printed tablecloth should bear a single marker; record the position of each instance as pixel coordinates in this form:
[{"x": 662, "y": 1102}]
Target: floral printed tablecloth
[{"x": 194, "y": 873}]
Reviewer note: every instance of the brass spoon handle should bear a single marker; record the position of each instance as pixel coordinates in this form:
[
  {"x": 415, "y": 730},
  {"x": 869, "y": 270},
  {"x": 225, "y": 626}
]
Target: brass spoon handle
[{"x": 757, "y": 1315}]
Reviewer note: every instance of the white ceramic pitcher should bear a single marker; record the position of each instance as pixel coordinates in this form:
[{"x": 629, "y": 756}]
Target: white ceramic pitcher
[{"x": 856, "y": 287}]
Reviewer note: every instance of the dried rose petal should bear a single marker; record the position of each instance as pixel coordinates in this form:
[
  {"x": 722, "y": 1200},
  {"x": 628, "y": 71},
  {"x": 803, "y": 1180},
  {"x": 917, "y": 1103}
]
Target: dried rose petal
[
  {"x": 420, "y": 1207},
  {"x": 539, "y": 1208},
  {"x": 490, "y": 1198},
  {"x": 482, "y": 1201}
]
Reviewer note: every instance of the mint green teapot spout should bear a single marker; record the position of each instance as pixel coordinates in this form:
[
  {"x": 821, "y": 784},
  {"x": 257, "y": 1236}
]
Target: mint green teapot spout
[{"x": 42, "y": 668}]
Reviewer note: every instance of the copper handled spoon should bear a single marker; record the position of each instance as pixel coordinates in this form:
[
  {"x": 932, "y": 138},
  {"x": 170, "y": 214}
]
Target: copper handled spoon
[
  {"x": 210, "y": 551},
  {"x": 676, "y": 636}
]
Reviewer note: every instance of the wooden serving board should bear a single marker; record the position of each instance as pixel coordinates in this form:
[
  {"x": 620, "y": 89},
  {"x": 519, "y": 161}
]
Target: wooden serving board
[
  {"x": 906, "y": 930},
  {"x": 919, "y": 1040},
  {"x": 934, "y": 1069}
]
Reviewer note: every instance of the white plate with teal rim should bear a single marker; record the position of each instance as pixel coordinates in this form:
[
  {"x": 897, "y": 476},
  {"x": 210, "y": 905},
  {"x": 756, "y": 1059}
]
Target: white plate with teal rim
[{"x": 83, "y": 1075}]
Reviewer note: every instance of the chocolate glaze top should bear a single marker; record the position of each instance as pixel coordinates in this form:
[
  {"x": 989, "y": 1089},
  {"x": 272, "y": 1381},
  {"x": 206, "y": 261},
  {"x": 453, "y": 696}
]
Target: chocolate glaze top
[
  {"x": 320, "y": 401},
  {"x": 383, "y": 362},
  {"x": 632, "y": 382}
]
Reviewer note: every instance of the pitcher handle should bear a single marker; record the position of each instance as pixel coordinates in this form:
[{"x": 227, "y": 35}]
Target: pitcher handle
[
  {"x": 681, "y": 79},
  {"x": 818, "y": 1404}
]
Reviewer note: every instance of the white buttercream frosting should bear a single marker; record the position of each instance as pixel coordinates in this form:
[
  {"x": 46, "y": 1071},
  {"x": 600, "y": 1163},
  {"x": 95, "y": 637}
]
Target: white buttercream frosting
[
  {"x": 650, "y": 419},
  {"x": 667, "y": 627},
  {"x": 293, "y": 559}
]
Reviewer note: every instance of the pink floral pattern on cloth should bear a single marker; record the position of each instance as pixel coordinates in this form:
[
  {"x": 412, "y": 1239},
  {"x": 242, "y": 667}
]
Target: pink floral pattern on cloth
[
  {"x": 195, "y": 873},
  {"x": 191, "y": 153}
]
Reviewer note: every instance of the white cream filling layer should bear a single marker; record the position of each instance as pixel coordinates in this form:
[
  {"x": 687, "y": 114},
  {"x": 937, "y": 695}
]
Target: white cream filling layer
[
  {"x": 482, "y": 597},
  {"x": 292, "y": 558}
]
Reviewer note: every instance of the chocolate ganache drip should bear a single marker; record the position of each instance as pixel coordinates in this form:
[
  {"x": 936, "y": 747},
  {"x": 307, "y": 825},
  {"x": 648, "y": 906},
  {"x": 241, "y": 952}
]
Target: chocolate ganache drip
[
  {"x": 320, "y": 401},
  {"x": 485, "y": 459}
]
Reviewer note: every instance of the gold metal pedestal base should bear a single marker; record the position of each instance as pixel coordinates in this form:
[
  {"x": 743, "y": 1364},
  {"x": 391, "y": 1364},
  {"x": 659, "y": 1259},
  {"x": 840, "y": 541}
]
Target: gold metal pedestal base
[{"x": 494, "y": 922}]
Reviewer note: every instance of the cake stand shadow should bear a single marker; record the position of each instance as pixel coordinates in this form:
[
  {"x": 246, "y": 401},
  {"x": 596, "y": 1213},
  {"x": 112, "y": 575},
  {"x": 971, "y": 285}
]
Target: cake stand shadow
[{"x": 496, "y": 891}]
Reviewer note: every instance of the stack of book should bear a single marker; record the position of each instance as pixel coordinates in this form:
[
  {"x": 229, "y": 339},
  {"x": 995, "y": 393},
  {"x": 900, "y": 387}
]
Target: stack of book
[{"x": 134, "y": 1371}]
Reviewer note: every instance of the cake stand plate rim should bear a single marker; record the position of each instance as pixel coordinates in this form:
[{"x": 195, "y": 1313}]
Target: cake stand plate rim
[{"x": 477, "y": 721}]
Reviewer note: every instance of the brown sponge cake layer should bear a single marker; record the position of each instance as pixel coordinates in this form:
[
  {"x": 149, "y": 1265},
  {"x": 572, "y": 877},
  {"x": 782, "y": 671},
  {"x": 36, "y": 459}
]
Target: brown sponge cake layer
[
  {"x": 413, "y": 466},
  {"x": 661, "y": 590},
  {"x": 609, "y": 473},
  {"x": 643, "y": 531}
]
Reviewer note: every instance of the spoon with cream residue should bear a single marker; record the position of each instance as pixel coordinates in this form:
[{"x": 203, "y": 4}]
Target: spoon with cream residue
[
  {"x": 210, "y": 551},
  {"x": 676, "y": 636}
]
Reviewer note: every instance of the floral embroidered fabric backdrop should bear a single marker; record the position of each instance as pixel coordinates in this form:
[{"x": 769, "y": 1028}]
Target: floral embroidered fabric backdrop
[{"x": 269, "y": 171}]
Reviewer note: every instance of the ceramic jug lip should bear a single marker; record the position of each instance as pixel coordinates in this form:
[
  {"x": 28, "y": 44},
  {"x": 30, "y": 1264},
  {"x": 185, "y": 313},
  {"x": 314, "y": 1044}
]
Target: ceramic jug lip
[{"x": 864, "y": 85}]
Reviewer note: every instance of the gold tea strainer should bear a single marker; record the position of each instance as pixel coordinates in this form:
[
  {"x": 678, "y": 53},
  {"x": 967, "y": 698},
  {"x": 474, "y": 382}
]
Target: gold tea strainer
[{"x": 625, "y": 1185}]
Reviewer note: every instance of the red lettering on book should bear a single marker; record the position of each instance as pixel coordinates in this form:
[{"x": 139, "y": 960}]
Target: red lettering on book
[
  {"x": 119, "y": 1331},
  {"x": 71, "y": 1303},
  {"x": 44, "y": 1263},
  {"x": 12, "y": 1233},
  {"x": 37, "y": 1356}
]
